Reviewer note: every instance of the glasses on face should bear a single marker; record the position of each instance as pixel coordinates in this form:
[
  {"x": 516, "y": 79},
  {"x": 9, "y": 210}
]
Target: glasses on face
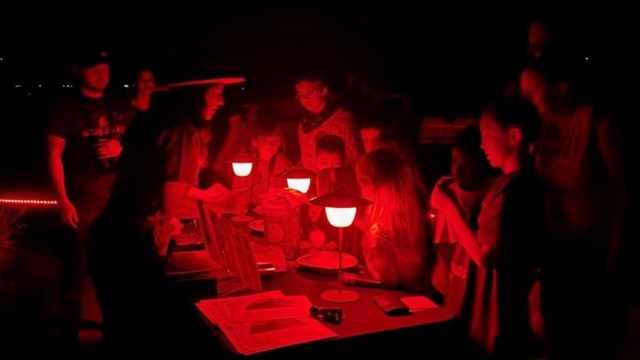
[{"x": 307, "y": 95}]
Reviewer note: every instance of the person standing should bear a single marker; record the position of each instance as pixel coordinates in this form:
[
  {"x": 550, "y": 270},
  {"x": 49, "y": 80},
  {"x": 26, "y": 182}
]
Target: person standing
[{"x": 83, "y": 146}]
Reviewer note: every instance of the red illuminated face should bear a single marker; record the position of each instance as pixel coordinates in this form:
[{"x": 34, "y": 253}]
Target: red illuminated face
[
  {"x": 146, "y": 82},
  {"x": 536, "y": 89},
  {"x": 311, "y": 95},
  {"x": 95, "y": 78},
  {"x": 495, "y": 142},
  {"x": 465, "y": 168},
  {"x": 366, "y": 186},
  {"x": 213, "y": 101},
  {"x": 267, "y": 145},
  {"x": 327, "y": 160},
  {"x": 370, "y": 139},
  {"x": 539, "y": 38}
]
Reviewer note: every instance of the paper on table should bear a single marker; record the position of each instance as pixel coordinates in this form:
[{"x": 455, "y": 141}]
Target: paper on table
[
  {"x": 418, "y": 303},
  {"x": 272, "y": 321},
  {"x": 284, "y": 307},
  {"x": 256, "y": 336},
  {"x": 216, "y": 313}
]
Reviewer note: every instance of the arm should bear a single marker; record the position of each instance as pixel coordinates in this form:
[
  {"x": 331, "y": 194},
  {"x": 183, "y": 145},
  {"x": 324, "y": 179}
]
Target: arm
[
  {"x": 55, "y": 147},
  {"x": 482, "y": 255},
  {"x": 380, "y": 256},
  {"x": 382, "y": 266},
  {"x": 181, "y": 147},
  {"x": 213, "y": 193},
  {"x": 612, "y": 156}
]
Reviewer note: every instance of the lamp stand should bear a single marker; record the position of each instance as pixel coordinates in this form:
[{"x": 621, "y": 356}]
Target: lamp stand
[
  {"x": 340, "y": 295},
  {"x": 244, "y": 218}
]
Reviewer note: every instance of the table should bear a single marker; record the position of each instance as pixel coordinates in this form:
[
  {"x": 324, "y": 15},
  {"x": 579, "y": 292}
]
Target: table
[{"x": 365, "y": 330}]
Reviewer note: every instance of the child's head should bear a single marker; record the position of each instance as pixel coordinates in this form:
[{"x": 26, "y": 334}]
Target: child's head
[
  {"x": 145, "y": 82},
  {"x": 377, "y": 132},
  {"x": 387, "y": 179},
  {"x": 469, "y": 165},
  {"x": 509, "y": 127},
  {"x": 267, "y": 137},
  {"x": 382, "y": 168},
  {"x": 311, "y": 93},
  {"x": 547, "y": 84},
  {"x": 330, "y": 152}
]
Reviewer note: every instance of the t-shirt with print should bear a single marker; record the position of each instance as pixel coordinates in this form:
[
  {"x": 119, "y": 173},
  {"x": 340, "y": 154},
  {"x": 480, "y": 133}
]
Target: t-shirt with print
[{"x": 81, "y": 122}]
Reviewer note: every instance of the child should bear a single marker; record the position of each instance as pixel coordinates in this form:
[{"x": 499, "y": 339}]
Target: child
[
  {"x": 394, "y": 244},
  {"x": 376, "y": 134},
  {"x": 333, "y": 174},
  {"x": 266, "y": 144},
  {"x": 510, "y": 229},
  {"x": 469, "y": 181}
]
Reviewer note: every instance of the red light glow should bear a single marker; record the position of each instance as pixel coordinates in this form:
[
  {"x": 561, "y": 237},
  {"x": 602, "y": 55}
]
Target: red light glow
[{"x": 28, "y": 202}]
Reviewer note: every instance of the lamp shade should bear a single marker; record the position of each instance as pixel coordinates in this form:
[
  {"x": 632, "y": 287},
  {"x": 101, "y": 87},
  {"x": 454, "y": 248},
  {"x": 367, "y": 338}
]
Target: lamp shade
[
  {"x": 340, "y": 206},
  {"x": 340, "y": 199},
  {"x": 340, "y": 217},
  {"x": 242, "y": 165},
  {"x": 301, "y": 185},
  {"x": 298, "y": 179}
]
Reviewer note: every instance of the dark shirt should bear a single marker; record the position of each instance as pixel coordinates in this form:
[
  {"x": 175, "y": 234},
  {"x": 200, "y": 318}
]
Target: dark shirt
[
  {"x": 81, "y": 122},
  {"x": 510, "y": 224},
  {"x": 138, "y": 186}
]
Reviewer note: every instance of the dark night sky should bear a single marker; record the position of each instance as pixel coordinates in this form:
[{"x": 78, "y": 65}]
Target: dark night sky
[
  {"x": 448, "y": 61},
  {"x": 423, "y": 49}
]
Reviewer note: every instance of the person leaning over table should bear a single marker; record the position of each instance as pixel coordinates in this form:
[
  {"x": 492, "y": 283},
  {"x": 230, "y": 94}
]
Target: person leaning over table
[{"x": 185, "y": 148}]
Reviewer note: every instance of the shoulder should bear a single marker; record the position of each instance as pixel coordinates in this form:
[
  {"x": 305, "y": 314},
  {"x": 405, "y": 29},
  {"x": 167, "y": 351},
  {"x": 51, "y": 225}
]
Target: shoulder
[
  {"x": 235, "y": 121},
  {"x": 66, "y": 101},
  {"x": 443, "y": 187},
  {"x": 494, "y": 199},
  {"x": 121, "y": 99},
  {"x": 342, "y": 115}
]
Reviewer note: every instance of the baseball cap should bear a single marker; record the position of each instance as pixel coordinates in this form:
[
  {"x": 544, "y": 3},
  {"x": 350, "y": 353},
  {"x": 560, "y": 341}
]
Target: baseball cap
[{"x": 88, "y": 58}]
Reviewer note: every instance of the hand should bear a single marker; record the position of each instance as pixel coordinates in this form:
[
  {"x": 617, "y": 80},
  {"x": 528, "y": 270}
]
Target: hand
[
  {"x": 438, "y": 198},
  {"x": 215, "y": 192},
  {"x": 108, "y": 148},
  {"x": 69, "y": 214},
  {"x": 442, "y": 193},
  {"x": 231, "y": 202}
]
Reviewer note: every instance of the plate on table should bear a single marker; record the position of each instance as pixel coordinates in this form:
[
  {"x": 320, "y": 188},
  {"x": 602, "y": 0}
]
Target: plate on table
[
  {"x": 326, "y": 261},
  {"x": 257, "y": 225}
]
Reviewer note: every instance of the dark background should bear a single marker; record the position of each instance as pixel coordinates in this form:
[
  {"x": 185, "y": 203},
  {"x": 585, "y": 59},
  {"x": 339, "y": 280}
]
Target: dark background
[{"x": 448, "y": 61}]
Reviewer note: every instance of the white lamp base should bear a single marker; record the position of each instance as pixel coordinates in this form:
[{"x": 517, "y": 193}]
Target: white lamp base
[{"x": 340, "y": 296}]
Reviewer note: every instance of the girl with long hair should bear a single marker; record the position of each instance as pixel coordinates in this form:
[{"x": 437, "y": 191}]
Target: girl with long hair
[{"x": 395, "y": 237}]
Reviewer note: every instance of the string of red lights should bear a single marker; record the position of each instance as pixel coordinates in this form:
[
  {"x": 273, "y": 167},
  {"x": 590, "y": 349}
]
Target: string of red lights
[{"x": 28, "y": 202}]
